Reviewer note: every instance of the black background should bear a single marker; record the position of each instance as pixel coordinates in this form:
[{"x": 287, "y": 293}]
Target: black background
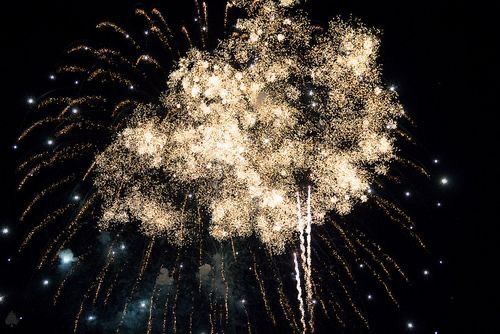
[{"x": 440, "y": 55}]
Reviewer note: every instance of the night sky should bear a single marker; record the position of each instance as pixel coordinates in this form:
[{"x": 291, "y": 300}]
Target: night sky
[{"x": 439, "y": 57}]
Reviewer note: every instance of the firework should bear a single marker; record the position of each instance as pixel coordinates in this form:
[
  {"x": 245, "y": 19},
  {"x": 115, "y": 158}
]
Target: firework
[
  {"x": 271, "y": 110},
  {"x": 201, "y": 154}
]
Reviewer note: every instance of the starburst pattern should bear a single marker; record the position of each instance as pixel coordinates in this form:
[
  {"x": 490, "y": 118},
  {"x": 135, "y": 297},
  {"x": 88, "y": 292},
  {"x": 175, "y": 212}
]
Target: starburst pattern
[
  {"x": 203, "y": 154},
  {"x": 275, "y": 107}
]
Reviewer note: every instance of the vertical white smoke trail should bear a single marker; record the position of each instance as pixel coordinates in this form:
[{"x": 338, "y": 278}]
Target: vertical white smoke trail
[
  {"x": 307, "y": 269},
  {"x": 301, "y": 228},
  {"x": 299, "y": 291},
  {"x": 305, "y": 254}
]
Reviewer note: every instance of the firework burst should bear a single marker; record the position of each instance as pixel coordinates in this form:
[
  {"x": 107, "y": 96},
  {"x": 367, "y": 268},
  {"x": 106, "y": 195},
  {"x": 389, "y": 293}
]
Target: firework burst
[{"x": 202, "y": 156}]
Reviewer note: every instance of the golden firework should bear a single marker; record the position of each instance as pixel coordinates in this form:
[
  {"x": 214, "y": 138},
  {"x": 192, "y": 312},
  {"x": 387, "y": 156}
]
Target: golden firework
[{"x": 279, "y": 105}]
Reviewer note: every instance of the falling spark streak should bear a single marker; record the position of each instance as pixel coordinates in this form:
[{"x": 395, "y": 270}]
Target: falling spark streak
[
  {"x": 64, "y": 154},
  {"x": 409, "y": 225},
  {"x": 150, "y": 315},
  {"x": 113, "y": 27},
  {"x": 102, "y": 274},
  {"x": 263, "y": 291},
  {"x": 186, "y": 33},
  {"x": 121, "y": 105},
  {"x": 337, "y": 256},
  {"x": 249, "y": 324},
  {"x": 164, "y": 40},
  {"x": 226, "y": 293},
  {"x": 35, "y": 125},
  {"x": 71, "y": 229},
  {"x": 165, "y": 315},
  {"x": 44, "y": 193},
  {"x": 210, "y": 314},
  {"x": 111, "y": 286},
  {"x": 78, "y": 315},
  {"x": 299, "y": 294},
  {"x": 65, "y": 232},
  {"x": 191, "y": 315},
  {"x": 31, "y": 159},
  {"x": 176, "y": 299},
  {"x": 159, "y": 15},
  {"x": 144, "y": 264},
  {"x": 204, "y": 25},
  {"x": 226, "y": 13},
  {"x": 283, "y": 300},
  {"x": 66, "y": 277},
  {"x": 48, "y": 219}
]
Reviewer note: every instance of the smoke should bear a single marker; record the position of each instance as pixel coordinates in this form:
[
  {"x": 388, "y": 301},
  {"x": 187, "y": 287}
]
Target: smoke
[{"x": 66, "y": 256}]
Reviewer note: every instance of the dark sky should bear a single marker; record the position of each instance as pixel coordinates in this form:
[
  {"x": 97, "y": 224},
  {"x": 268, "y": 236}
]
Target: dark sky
[{"x": 440, "y": 56}]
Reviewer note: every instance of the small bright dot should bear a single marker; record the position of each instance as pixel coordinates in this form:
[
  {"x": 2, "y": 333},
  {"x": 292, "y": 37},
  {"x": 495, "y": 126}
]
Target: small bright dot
[
  {"x": 146, "y": 32},
  {"x": 436, "y": 161},
  {"x": 91, "y": 318},
  {"x": 204, "y": 28},
  {"x": 131, "y": 87},
  {"x": 392, "y": 88},
  {"x": 52, "y": 77},
  {"x": 439, "y": 204},
  {"x": 243, "y": 301},
  {"x": 143, "y": 304},
  {"x": 407, "y": 194},
  {"x": 74, "y": 110},
  {"x": 15, "y": 147},
  {"x": 237, "y": 253},
  {"x": 370, "y": 190},
  {"x": 76, "y": 197},
  {"x": 444, "y": 181},
  {"x": 410, "y": 325},
  {"x": 181, "y": 265},
  {"x": 30, "y": 100},
  {"x": 9, "y": 259},
  {"x": 5, "y": 230},
  {"x": 361, "y": 265},
  {"x": 1, "y": 298},
  {"x": 370, "y": 297},
  {"x": 46, "y": 282},
  {"x": 127, "y": 36},
  {"x": 113, "y": 252},
  {"x": 311, "y": 93},
  {"x": 426, "y": 272},
  {"x": 50, "y": 142},
  {"x": 441, "y": 262},
  {"x": 314, "y": 104},
  {"x": 122, "y": 246},
  {"x": 195, "y": 19},
  {"x": 190, "y": 195},
  {"x": 77, "y": 82},
  {"x": 314, "y": 301}
]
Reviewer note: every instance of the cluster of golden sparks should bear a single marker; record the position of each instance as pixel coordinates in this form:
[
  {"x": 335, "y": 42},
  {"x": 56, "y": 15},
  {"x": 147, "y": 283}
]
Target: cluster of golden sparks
[
  {"x": 274, "y": 108},
  {"x": 279, "y": 111}
]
